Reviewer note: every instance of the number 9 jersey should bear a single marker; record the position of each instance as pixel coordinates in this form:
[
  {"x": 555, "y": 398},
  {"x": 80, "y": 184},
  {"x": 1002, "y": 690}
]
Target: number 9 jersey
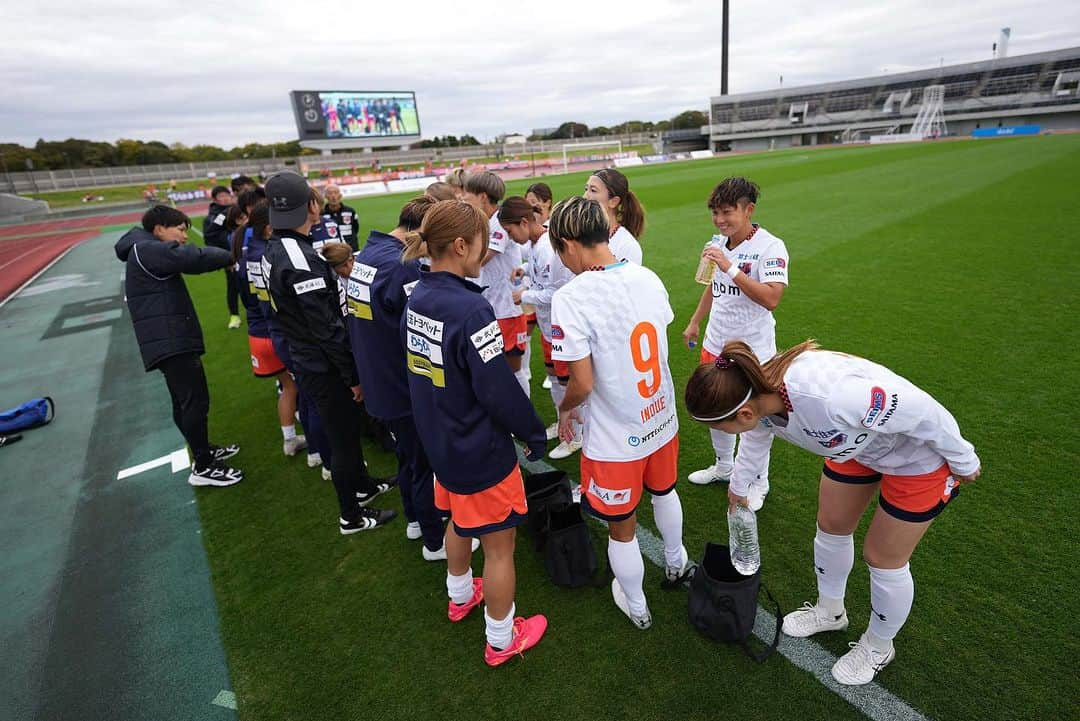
[{"x": 619, "y": 316}]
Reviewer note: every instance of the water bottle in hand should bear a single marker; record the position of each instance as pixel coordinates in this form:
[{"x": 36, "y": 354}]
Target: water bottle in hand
[{"x": 743, "y": 540}]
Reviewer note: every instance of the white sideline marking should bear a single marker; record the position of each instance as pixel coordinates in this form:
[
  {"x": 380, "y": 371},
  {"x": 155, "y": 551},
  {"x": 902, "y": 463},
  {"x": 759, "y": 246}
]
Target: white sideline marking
[
  {"x": 874, "y": 701},
  {"x": 177, "y": 460},
  {"x": 225, "y": 699}
]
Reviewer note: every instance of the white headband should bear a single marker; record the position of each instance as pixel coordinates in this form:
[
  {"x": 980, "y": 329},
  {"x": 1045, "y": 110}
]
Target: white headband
[{"x": 732, "y": 412}]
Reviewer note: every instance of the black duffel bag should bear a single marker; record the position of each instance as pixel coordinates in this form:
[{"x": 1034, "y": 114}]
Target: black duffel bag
[
  {"x": 569, "y": 556},
  {"x": 543, "y": 492},
  {"x": 722, "y": 603}
]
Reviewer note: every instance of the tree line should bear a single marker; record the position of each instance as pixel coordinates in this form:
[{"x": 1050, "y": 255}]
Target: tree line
[{"x": 78, "y": 153}]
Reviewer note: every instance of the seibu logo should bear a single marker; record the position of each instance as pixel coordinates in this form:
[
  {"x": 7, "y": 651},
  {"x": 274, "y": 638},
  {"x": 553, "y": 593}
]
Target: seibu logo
[
  {"x": 557, "y": 332},
  {"x": 877, "y": 405}
]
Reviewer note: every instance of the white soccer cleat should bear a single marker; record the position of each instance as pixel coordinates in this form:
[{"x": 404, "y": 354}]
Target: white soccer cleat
[
  {"x": 314, "y": 460},
  {"x": 859, "y": 665},
  {"x": 617, "y": 593},
  {"x": 565, "y": 450},
  {"x": 811, "y": 619},
  {"x": 755, "y": 497},
  {"x": 547, "y": 383},
  {"x": 553, "y": 431},
  {"x": 412, "y": 531},
  {"x": 708, "y": 475},
  {"x": 294, "y": 444},
  {"x": 234, "y": 322},
  {"x": 440, "y": 555},
  {"x": 327, "y": 475},
  {"x": 682, "y": 574}
]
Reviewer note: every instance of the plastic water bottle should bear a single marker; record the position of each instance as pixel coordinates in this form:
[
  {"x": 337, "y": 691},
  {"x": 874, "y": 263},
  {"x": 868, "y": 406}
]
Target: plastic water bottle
[{"x": 743, "y": 540}]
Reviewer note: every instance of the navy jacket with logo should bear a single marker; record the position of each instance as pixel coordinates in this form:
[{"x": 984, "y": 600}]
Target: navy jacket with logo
[
  {"x": 214, "y": 232},
  {"x": 348, "y": 224},
  {"x": 306, "y": 305},
  {"x": 465, "y": 399},
  {"x": 377, "y": 291}
]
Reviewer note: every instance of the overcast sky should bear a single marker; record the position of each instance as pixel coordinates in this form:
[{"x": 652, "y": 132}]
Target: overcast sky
[{"x": 176, "y": 71}]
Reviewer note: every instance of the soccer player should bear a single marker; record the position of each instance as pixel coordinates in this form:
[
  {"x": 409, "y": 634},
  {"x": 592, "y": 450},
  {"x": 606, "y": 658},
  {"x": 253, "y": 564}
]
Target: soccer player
[
  {"x": 379, "y": 284},
  {"x": 265, "y": 363},
  {"x": 456, "y": 179},
  {"x": 306, "y": 301},
  {"x": 441, "y": 191},
  {"x": 484, "y": 190},
  {"x": 749, "y": 281},
  {"x": 611, "y": 190},
  {"x": 467, "y": 406},
  {"x": 609, "y": 324},
  {"x": 539, "y": 196},
  {"x": 215, "y": 234},
  {"x": 168, "y": 332},
  {"x": 878, "y": 433}
]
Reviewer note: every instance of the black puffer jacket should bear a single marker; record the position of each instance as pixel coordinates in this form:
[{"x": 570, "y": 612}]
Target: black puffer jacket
[
  {"x": 214, "y": 232},
  {"x": 161, "y": 309}
]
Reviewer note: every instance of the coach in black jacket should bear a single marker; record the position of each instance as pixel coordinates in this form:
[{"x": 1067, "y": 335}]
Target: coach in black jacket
[
  {"x": 307, "y": 305},
  {"x": 167, "y": 328},
  {"x": 348, "y": 222}
]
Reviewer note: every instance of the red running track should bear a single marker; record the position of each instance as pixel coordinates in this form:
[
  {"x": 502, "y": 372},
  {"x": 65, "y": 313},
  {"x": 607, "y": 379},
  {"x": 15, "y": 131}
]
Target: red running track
[{"x": 26, "y": 249}]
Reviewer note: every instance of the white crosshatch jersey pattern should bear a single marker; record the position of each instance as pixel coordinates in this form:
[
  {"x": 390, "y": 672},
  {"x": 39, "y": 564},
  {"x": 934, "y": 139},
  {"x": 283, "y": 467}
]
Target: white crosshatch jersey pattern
[{"x": 619, "y": 316}]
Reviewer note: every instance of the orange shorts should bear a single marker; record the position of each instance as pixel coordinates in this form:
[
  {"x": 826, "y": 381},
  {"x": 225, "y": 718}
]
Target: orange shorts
[
  {"x": 707, "y": 357},
  {"x": 909, "y": 498},
  {"x": 264, "y": 361},
  {"x": 611, "y": 490},
  {"x": 493, "y": 509},
  {"x": 530, "y": 321},
  {"x": 561, "y": 368},
  {"x": 515, "y": 333}
]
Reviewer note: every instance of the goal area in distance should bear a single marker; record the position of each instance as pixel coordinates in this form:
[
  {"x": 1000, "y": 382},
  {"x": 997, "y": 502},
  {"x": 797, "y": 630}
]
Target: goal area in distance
[{"x": 569, "y": 149}]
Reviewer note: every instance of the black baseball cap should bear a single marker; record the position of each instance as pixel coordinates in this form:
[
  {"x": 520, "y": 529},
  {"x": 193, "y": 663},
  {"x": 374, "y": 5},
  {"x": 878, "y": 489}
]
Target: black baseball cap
[{"x": 289, "y": 194}]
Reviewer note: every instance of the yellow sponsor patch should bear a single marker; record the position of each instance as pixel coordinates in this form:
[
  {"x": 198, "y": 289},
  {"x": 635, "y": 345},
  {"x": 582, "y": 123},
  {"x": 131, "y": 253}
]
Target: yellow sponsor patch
[
  {"x": 358, "y": 309},
  {"x": 421, "y": 366}
]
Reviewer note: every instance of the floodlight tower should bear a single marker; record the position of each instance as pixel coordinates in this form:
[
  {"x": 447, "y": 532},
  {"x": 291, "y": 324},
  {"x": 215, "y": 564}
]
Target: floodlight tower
[{"x": 723, "y": 51}]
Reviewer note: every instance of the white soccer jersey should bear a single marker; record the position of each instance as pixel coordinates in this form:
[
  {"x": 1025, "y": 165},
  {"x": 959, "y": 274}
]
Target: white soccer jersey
[
  {"x": 844, "y": 407},
  {"x": 546, "y": 275},
  {"x": 495, "y": 276},
  {"x": 624, "y": 246},
  {"x": 764, "y": 258},
  {"x": 619, "y": 316}
]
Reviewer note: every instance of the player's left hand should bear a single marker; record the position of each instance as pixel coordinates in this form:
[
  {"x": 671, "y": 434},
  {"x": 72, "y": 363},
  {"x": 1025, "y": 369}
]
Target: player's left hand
[
  {"x": 968, "y": 478},
  {"x": 717, "y": 256},
  {"x": 566, "y": 424},
  {"x": 517, "y": 275},
  {"x": 516, "y": 295}
]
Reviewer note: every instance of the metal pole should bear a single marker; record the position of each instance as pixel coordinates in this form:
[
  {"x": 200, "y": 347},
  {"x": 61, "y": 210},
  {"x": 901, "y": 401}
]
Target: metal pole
[{"x": 724, "y": 53}]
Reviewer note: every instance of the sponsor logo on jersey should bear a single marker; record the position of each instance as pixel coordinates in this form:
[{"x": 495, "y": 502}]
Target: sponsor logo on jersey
[
  {"x": 421, "y": 345},
  {"x": 486, "y": 334},
  {"x": 821, "y": 434},
  {"x": 837, "y": 440},
  {"x": 331, "y": 229},
  {"x": 557, "y": 332},
  {"x": 490, "y": 352},
  {"x": 359, "y": 291},
  {"x": 408, "y": 288},
  {"x": 608, "y": 496},
  {"x": 433, "y": 329},
  {"x": 745, "y": 268},
  {"x": 497, "y": 235},
  {"x": 950, "y": 484},
  {"x": 719, "y": 289},
  {"x": 775, "y": 263},
  {"x": 894, "y": 401},
  {"x": 363, "y": 273},
  {"x": 634, "y": 441},
  {"x": 877, "y": 405},
  {"x": 306, "y": 286},
  {"x": 651, "y": 434},
  {"x": 219, "y": 219}
]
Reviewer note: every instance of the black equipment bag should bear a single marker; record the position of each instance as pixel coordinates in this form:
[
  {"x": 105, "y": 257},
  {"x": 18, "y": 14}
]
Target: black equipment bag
[
  {"x": 543, "y": 492},
  {"x": 568, "y": 552},
  {"x": 722, "y": 603}
]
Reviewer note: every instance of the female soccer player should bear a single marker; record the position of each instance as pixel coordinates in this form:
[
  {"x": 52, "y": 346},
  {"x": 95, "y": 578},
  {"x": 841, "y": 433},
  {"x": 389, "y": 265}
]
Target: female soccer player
[
  {"x": 264, "y": 361},
  {"x": 877, "y": 431},
  {"x": 626, "y": 217},
  {"x": 539, "y": 196},
  {"x": 456, "y": 179},
  {"x": 545, "y": 274},
  {"x": 467, "y": 405},
  {"x": 484, "y": 190},
  {"x": 750, "y": 278},
  {"x": 609, "y": 323},
  {"x": 378, "y": 284}
]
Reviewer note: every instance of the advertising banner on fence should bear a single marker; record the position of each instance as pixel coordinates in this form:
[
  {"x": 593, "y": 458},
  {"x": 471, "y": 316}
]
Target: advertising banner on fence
[{"x": 1006, "y": 132}]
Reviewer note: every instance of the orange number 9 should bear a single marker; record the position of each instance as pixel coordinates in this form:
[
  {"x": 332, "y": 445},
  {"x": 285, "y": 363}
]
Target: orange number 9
[{"x": 648, "y": 360}]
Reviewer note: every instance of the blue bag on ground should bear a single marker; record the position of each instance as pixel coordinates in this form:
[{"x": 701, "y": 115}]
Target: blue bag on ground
[{"x": 31, "y": 414}]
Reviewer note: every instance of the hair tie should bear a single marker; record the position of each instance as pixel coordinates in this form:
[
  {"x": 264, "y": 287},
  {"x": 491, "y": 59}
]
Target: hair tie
[{"x": 725, "y": 363}]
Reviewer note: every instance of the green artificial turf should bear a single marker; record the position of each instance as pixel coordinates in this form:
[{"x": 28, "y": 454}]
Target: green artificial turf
[{"x": 953, "y": 263}]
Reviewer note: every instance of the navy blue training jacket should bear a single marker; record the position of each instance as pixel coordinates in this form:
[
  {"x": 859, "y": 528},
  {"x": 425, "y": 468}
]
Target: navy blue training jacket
[
  {"x": 465, "y": 399},
  {"x": 377, "y": 291}
]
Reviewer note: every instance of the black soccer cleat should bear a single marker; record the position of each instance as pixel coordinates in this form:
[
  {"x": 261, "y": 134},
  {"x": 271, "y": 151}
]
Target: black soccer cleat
[
  {"x": 216, "y": 474},
  {"x": 368, "y": 519}
]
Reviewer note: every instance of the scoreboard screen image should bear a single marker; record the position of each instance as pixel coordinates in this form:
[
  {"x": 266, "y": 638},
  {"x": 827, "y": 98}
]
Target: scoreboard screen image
[{"x": 330, "y": 114}]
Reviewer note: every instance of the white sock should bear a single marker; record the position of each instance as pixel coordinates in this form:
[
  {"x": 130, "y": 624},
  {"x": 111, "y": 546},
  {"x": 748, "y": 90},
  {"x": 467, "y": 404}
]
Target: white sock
[
  {"x": 500, "y": 634},
  {"x": 667, "y": 512},
  {"x": 558, "y": 392},
  {"x": 833, "y": 558},
  {"x": 526, "y": 360},
  {"x": 724, "y": 447},
  {"x": 892, "y": 591},
  {"x": 523, "y": 381},
  {"x": 289, "y": 432},
  {"x": 459, "y": 588},
  {"x": 629, "y": 568}
]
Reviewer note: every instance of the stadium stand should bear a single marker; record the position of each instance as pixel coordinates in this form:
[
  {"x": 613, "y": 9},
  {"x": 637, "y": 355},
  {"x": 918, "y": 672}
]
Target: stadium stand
[{"x": 1038, "y": 89}]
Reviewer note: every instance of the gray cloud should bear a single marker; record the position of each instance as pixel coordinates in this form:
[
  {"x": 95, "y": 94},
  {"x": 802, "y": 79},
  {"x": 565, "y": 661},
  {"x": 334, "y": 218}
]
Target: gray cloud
[{"x": 175, "y": 72}]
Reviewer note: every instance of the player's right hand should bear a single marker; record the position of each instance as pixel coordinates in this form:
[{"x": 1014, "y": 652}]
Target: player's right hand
[{"x": 690, "y": 335}]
